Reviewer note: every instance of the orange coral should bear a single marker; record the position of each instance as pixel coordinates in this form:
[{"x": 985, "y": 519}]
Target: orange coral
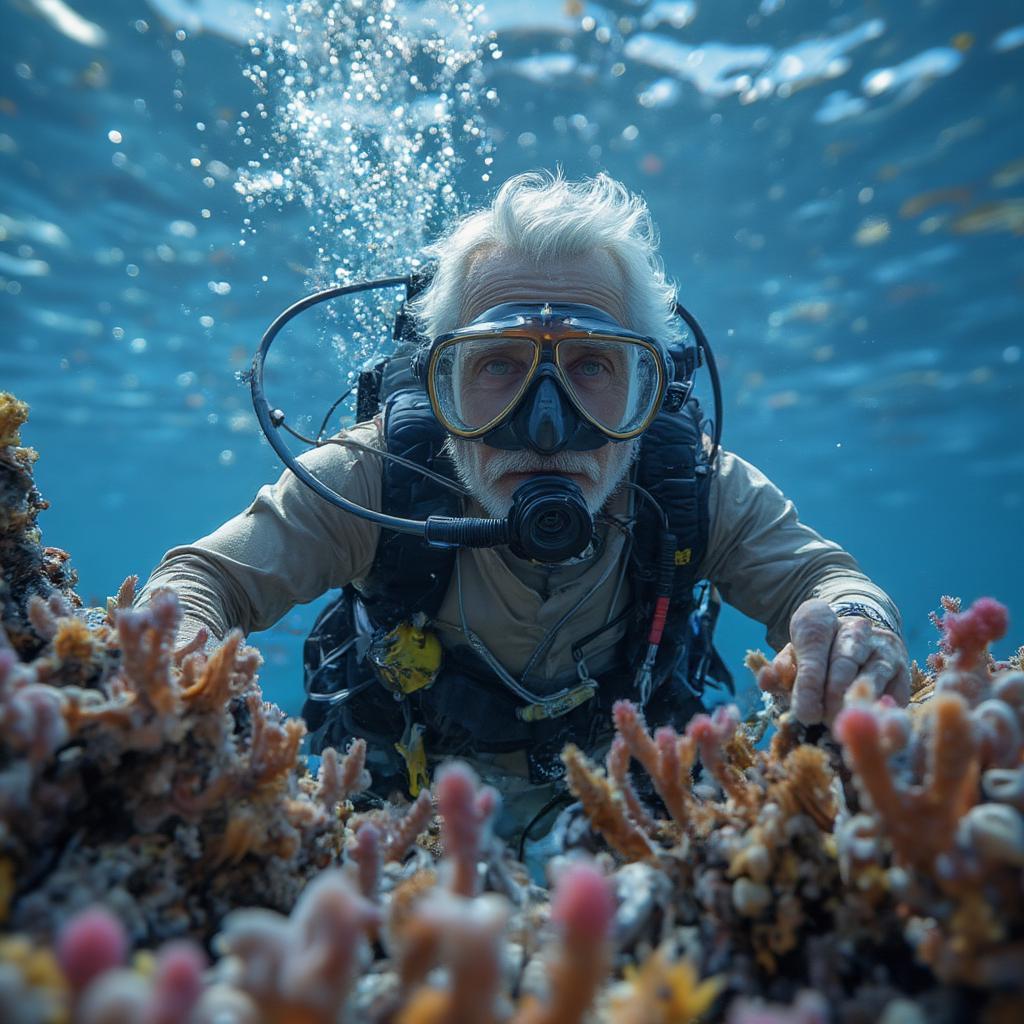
[
  {"x": 413, "y": 823},
  {"x": 466, "y": 935},
  {"x": 617, "y": 766},
  {"x": 920, "y": 821},
  {"x": 723, "y": 753},
  {"x": 242, "y": 834},
  {"x": 805, "y": 787},
  {"x": 777, "y": 677},
  {"x": 667, "y": 759},
  {"x": 274, "y": 746},
  {"x": 604, "y": 807},
  {"x": 124, "y": 599},
  {"x": 74, "y": 641},
  {"x": 190, "y": 803},
  {"x": 147, "y": 639},
  {"x": 405, "y": 897},
  {"x": 190, "y": 647},
  {"x": 226, "y": 672},
  {"x": 82, "y": 708}
]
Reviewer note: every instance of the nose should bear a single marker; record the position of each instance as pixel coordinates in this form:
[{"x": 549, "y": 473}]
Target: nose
[{"x": 546, "y": 422}]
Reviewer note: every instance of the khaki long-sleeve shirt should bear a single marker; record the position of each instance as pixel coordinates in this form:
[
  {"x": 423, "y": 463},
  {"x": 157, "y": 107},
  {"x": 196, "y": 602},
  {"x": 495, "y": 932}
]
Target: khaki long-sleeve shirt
[{"x": 290, "y": 546}]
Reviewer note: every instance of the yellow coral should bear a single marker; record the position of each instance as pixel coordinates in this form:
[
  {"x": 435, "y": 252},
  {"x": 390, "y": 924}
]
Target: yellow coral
[
  {"x": 663, "y": 992},
  {"x": 74, "y": 641},
  {"x": 13, "y": 414},
  {"x": 39, "y": 971}
]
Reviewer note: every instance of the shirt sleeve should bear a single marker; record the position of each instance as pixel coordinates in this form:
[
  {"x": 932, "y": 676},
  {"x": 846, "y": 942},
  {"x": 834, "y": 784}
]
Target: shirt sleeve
[
  {"x": 765, "y": 562},
  {"x": 286, "y": 548}
]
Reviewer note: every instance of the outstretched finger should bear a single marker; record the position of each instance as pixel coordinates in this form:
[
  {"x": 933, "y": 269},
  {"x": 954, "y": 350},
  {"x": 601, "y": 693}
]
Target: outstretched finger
[
  {"x": 850, "y": 650},
  {"x": 812, "y": 630},
  {"x": 878, "y": 670}
]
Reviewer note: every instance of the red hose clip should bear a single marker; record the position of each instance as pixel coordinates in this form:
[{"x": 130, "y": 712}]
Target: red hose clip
[{"x": 658, "y": 621}]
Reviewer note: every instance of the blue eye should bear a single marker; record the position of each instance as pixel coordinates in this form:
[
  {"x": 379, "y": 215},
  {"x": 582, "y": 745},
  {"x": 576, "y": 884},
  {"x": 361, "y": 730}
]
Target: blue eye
[{"x": 497, "y": 367}]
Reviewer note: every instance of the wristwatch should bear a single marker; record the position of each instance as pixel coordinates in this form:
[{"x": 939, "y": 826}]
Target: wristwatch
[{"x": 864, "y": 611}]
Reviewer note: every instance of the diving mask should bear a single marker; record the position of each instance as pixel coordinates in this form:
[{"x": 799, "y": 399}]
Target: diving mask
[
  {"x": 541, "y": 514},
  {"x": 546, "y": 376}
]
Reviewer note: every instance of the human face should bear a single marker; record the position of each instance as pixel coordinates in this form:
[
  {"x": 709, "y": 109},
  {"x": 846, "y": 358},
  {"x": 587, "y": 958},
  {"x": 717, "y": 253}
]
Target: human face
[{"x": 492, "y": 475}]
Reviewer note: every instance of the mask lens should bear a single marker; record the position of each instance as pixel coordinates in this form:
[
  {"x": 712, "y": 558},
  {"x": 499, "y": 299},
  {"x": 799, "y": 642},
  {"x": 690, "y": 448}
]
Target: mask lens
[
  {"x": 616, "y": 383},
  {"x": 478, "y": 380}
]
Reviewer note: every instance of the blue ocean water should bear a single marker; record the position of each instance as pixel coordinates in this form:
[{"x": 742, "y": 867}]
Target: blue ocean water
[{"x": 839, "y": 187}]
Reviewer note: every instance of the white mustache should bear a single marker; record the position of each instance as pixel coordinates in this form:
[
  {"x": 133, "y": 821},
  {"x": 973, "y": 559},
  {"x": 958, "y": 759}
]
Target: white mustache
[{"x": 528, "y": 462}]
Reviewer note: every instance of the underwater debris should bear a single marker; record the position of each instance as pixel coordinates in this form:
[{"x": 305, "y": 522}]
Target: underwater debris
[{"x": 165, "y": 856}]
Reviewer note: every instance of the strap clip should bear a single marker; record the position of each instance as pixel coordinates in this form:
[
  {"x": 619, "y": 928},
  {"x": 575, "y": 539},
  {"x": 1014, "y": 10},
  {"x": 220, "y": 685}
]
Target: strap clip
[{"x": 414, "y": 754}]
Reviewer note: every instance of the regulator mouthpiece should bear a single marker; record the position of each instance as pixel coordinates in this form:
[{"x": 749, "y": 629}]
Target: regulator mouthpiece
[{"x": 549, "y": 520}]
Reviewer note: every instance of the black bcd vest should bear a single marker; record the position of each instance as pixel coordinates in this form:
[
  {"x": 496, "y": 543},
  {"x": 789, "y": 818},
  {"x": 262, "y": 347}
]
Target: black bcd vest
[{"x": 466, "y": 709}]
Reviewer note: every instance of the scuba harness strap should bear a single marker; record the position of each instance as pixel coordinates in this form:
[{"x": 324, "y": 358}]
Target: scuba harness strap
[
  {"x": 468, "y": 709},
  {"x": 407, "y": 575}
]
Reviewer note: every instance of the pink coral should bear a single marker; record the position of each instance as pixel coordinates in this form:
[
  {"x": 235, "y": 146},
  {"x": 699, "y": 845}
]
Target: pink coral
[
  {"x": 466, "y": 935},
  {"x": 920, "y": 820},
  {"x": 402, "y": 833},
  {"x": 302, "y": 967},
  {"x": 713, "y": 734},
  {"x": 341, "y": 778},
  {"x": 583, "y": 908},
  {"x": 466, "y": 809},
  {"x": 177, "y": 983},
  {"x": 368, "y": 857},
  {"x": 969, "y": 633},
  {"x": 90, "y": 944},
  {"x": 584, "y": 903},
  {"x": 667, "y": 759},
  {"x": 167, "y": 996}
]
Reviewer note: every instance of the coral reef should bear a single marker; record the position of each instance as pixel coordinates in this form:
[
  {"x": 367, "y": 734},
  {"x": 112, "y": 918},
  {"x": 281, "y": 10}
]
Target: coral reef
[
  {"x": 27, "y": 569},
  {"x": 166, "y": 857}
]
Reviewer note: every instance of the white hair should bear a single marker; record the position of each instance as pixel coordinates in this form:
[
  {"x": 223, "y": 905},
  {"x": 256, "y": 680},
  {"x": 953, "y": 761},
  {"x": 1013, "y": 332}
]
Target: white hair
[{"x": 543, "y": 217}]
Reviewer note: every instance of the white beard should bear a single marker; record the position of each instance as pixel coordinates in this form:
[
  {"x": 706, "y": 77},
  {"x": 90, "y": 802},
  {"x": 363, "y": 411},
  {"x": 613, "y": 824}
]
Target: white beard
[{"x": 495, "y": 494}]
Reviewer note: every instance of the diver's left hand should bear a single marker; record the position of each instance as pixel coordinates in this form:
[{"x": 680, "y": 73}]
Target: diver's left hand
[{"x": 831, "y": 652}]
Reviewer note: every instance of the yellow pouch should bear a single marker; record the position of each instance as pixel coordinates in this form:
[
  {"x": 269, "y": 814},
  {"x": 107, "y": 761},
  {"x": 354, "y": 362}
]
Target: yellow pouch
[{"x": 407, "y": 658}]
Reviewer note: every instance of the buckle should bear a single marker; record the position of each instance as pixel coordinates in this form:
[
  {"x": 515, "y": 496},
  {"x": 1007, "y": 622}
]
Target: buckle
[{"x": 414, "y": 754}]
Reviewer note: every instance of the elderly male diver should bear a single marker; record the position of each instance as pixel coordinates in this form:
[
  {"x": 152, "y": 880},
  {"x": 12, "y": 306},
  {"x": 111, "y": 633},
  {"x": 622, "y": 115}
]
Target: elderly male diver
[{"x": 533, "y": 519}]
